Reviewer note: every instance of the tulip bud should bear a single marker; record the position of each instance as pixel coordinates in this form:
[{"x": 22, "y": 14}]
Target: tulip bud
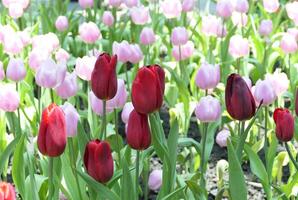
[
  {"x": 37, "y": 57},
  {"x": 120, "y": 98},
  {"x": 284, "y": 124},
  {"x": 15, "y": 10},
  {"x": 149, "y": 80},
  {"x": 292, "y": 11},
  {"x": 188, "y": 5},
  {"x": 208, "y": 76},
  {"x": 51, "y": 140},
  {"x": 127, "y": 109},
  {"x": 185, "y": 51},
  {"x": 140, "y": 15},
  {"x": 208, "y": 109},
  {"x": 7, "y": 191},
  {"x": 264, "y": 92},
  {"x": 71, "y": 119},
  {"x": 293, "y": 32},
  {"x": 155, "y": 179},
  {"x": 265, "y": 27},
  {"x": 212, "y": 26},
  {"x": 222, "y": 137},
  {"x": 86, "y": 3},
  {"x": 98, "y": 160},
  {"x": 69, "y": 87},
  {"x": 97, "y": 105},
  {"x": 239, "y": 19},
  {"x": 242, "y": 6},
  {"x": 279, "y": 81},
  {"x": 138, "y": 132},
  {"x": 131, "y": 3},
  {"x": 115, "y": 3},
  {"x": 89, "y": 32},
  {"x": 224, "y": 8},
  {"x": 2, "y": 73},
  {"x": 179, "y": 36},
  {"x": 103, "y": 78},
  {"x": 9, "y": 98},
  {"x": 240, "y": 103},
  {"x": 61, "y": 56},
  {"x": 84, "y": 67},
  {"x": 108, "y": 18},
  {"x": 147, "y": 36},
  {"x": 271, "y": 6},
  {"x": 16, "y": 70},
  {"x": 122, "y": 50},
  {"x": 136, "y": 54},
  {"x": 288, "y": 43},
  {"x": 171, "y": 8},
  {"x": 61, "y": 23}
]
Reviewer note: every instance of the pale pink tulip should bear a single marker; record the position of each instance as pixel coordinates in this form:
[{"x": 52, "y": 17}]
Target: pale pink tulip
[
  {"x": 16, "y": 70},
  {"x": 128, "y": 107},
  {"x": 69, "y": 87},
  {"x": 171, "y": 8},
  {"x": 279, "y": 82},
  {"x": 86, "y": 3},
  {"x": 115, "y": 3},
  {"x": 179, "y": 36},
  {"x": 131, "y": 3},
  {"x": 122, "y": 50},
  {"x": 97, "y": 105},
  {"x": 61, "y": 55},
  {"x": 208, "y": 76},
  {"x": 264, "y": 92},
  {"x": 224, "y": 8},
  {"x": 71, "y": 119},
  {"x": 239, "y": 19},
  {"x": 238, "y": 46},
  {"x": 36, "y": 57},
  {"x": 120, "y": 98},
  {"x": 84, "y": 67},
  {"x": 108, "y": 18},
  {"x": 89, "y": 32},
  {"x": 147, "y": 36},
  {"x": 9, "y": 98},
  {"x": 61, "y": 23},
  {"x": 140, "y": 15},
  {"x": 265, "y": 27},
  {"x": 2, "y": 73},
  {"x": 241, "y": 6},
  {"x": 186, "y": 51},
  {"x": 288, "y": 43},
  {"x": 188, "y": 5},
  {"x": 155, "y": 179},
  {"x": 271, "y": 6},
  {"x": 208, "y": 109},
  {"x": 222, "y": 138}
]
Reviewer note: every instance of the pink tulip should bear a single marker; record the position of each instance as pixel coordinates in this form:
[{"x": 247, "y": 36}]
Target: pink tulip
[
  {"x": 221, "y": 31},
  {"x": 136, "y": 54},
  {"x": 279, "y": 82},
  {"x": 71, "y": 118},
  {"x": 25, "y": 37},
  {"x": 288, "y": 43},
  {"x": 61, "y": 23},
  {"x": 122, "y": 50},
  {"x": 224, "y": 8},
  {"x": 239, "y": 19},
  {"x": 242, "y": 6},
  {"x": 186, "y": 51},
  {"x": 50, "y": 74},
  {"x": 131, "y": 3},
  {"x": 265, "y": 27},
  {"x": 12, "y": 43},
  {"x": 86, "y": 3},
  {"x": 115, "y": 3},
  {"x": 84, "y": 67},
  {"x": 61, "y": 55},
  {"x": 69, "y": 87},
  {"x": 140, "y": 15},
  {"x": 292, "y": 11},
  {"x": 147, "y": 36},
  {"x": 238, "y": 46},
  {"x": 120, "y": 98},
  {"x": 24, "y": 3},
  {"x": 188, "y": 5},
  {"x": 5, "y": 30},
  {"x": 48, "y": 42},
  {"x": 9, "y": 98},
  {"x": 171, "y": 8},
  {"x": 15, "y": 10},
  {"x": 36, "y": 57},
  {"x": 208, "y": 76},
  {"x": 89, "y": 32},
  {"x": 208, "y": 109},
  {"x": 271, "y": 6},
  {"x": 264, "y": 92},
  {"x": 7, "y": 191},
  {"x": 2, "y": 73},
  {"x": 293, "y": 32},
  {"x": 212, "y": 26},
  {"x": 179, "y": 36},
  {"x": 128, "y": 107},
  {"x": 16, "y": 70},
  {"x": 97, "y": 105},
  {"x": 108, "y": 18},
  {"x": 155, "y": 179},
  {"x": 222, "y": 138}
]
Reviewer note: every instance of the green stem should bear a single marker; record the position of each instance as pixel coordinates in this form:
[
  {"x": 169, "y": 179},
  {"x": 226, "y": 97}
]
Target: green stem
[
  {"x": 146, "y": 177},
  {"x": 137, "y": 174},
  {"x": 291, "y": 156},
  {"x": 104, "y": 119},
  {"x": 266, "y": 139},
  {"x": 52, "y": 95},
  {"x": 50, "y": 180},
  {"x": 202, "y": 163},
  {"x": 117, "y": 136},
  {"x": 19, "y": 115},
  {"x": 243, "y": 134},
  {"x": 180, "y": 65},
  {"x": 126, "y": 76}
]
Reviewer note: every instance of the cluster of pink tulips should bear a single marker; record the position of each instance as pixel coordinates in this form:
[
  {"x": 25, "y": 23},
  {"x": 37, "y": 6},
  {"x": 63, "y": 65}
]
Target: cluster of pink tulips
[{"x": 148, "y": 99}]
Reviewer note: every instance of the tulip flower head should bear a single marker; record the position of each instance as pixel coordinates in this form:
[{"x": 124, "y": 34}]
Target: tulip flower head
[
  {"x": 7, "y": 191},
  {"x": 89, "y": 32},
  {"x": 68, "y": 87},
  {"x": 71, "y": 119},
  {"x": 61, "y": 23},
  {"x": 2, "y": 73},
  {"x": 208, "y": 109},
  {"x": 264, "y": 92},
  {"x": 171, "y": 8},
  {"x": 208, "y": 76},
  {"x": 222, "y": 137},
  {"x": 9, "y": 98},
  {"x": 265, "y": 27},
  {"x": 108, "y": 18},
  {"x": 284, "y": 122},
  {"x": 271, "y": 6},
  {"x": 16, "y": 70},
  {"x": 86, "y": 3},
  {"x": 140, "y": 15},
  {"x": 238, "y": 46},
  {"x": 179, "y": 36},
  {"x": 147, "y": 36},
  {"x": 224, "y": 8},
  {"x": 84, "y": 67},
  {"x": 288, "y": 43},
  {"x": 155, "y": 179},
  {"x": 127, "y": 109}
]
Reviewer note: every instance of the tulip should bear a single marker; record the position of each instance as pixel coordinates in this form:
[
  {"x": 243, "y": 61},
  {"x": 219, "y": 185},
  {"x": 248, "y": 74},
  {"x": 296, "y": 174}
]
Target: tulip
[
  {"x": 2, "y": 73},
  {"x": 140, "y": 15},
  {"x": 120, "y": 98},
  {"x": 147, "y": 36},
  {"x": 149, "y": 80},
  {"x": 61, "y": 23},
  {"x": 71, "y": 119},
  {"x": 9, "y": 98},
  {"x": 15, "y": 10},
  {"x": 224, "y": 8},
  {"x": 103, "y": 78},
  {"x": 7, "y": 191},
  {"x": 279, "y": 82},
  {"x": 86, "y": 3},
  {"x": 293, "y": 32},
  {"x": 265, "y": 27},
  {"x": 12, "y": 43},
  {"x": 239, "y": 19},
  {"x": 84, "y": 67},
  {"x": 115, "y": 3},
  {"x": 179, "y": 36},
  {"x": 271, "y": 6},
  {"x": 284, "y": 124},
  {"x": 48, "y": 42},
  {"x": 89, "y": 32},
  {"x": 16, "y": 70},
  {"x": 212, "y": 26},
  {"x": 288, "y": 43},
  {"x": 131, "y": 3},
  {"x": 264, "y": 92},
  {"x": 37, "y": 57},
  {"x": 171, "y": 8},
  {"x": 97, "y": 105},
  {"x": 108, "y": 18},
  {"x": 208, "y": 109},
  {"x": 23, "y": 3},
  {"x": 188, "y": 5},
  {"x": 138, "y": 132},
  {"x": 186, "y": 51},
  {"x": 292, "y": 11},
  {"x": 69, "y": 87},
  {"x": 127, "y": 109},
  {"x": 25, "y": 37},
  {"x": 222, "y": 137},
  {"x": 122, "y": 50},
  {"x": 155, "y": 179},
  {"x": 208, "y": 76},
  {"x": 136, "y": 54},
  {"x": 50, "y": 74},
  {"x": 51, "y": 140},
  {"x": 238, "y": 46},
  {"x": 242, "y": 6},
  {"x": 98, "y": 160},
  {"x": 240, "y": 103},
  {"x": 61, "y": 55}
]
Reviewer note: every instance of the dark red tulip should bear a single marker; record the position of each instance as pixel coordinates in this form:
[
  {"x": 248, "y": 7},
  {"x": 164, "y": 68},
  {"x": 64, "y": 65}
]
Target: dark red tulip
[
  {"x": 103, "y": 78},
  {"x": 51, "y": 139},
  {"x": 98, "y": 160},
  {"x": 296, "y": 103},
  {"x": 148, "y": 89},
  {"x": 284, "y": 124},
  {"x": 138, "y": 132},
  {"x": 239, "y": 101}
]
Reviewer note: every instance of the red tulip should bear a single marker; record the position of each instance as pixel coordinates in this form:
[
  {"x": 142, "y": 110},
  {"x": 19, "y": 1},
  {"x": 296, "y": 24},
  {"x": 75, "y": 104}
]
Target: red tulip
[
  {"x": 138, "y": 131},
  {"x": 239, "y": 100},
  {"x": 98, "y": 160},
  {"x": 103, "y": 78},
  {"x": 284, "y": 124},
  {"x": 296, "y": 103},
  {"x": 7, "y": 191},
  {"x": 51, "y": 139},
  {"x": 148, "y": 89}
]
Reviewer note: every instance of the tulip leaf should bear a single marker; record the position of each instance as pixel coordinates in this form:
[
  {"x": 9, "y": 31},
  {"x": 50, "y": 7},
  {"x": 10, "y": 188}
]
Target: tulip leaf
[
  {"x": 126, "y": 181},
  {"x": 237, "y": 184},
  {"x": 40, "y": 181},
  {"x": 186, "y": 142},
  {"x": 82, "y": 139},
  {"x": 174, "y": 195}
]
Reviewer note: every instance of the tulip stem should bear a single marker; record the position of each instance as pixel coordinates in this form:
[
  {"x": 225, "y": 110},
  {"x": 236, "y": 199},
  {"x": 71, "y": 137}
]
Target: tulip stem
[
  {"x": 266, "y": 139},
  {"x": 137, "y": 174},
  {"x": 291, "y": 156},
  {"x": 19, "y": 116},
  {"x": 242, "y": 135},
  {"x": 117, "y": 136},
  {"x": 50, "y": 178},
  {"x": 104, "y": 120},
  {"x": 126, "y": 76},
  {"x": 52, "y": 96},
  {"x": 202, "y": 163}
]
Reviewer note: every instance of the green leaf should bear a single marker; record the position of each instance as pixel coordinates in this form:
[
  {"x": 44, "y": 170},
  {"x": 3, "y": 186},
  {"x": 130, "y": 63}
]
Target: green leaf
[
  {"x": 126, "y": 181},
  {"x": 40, "y": 181},
  {"x": 175, "y": 195},
  {"x": 187, "y": 142},
  {"x": 237, "y": 184}
]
